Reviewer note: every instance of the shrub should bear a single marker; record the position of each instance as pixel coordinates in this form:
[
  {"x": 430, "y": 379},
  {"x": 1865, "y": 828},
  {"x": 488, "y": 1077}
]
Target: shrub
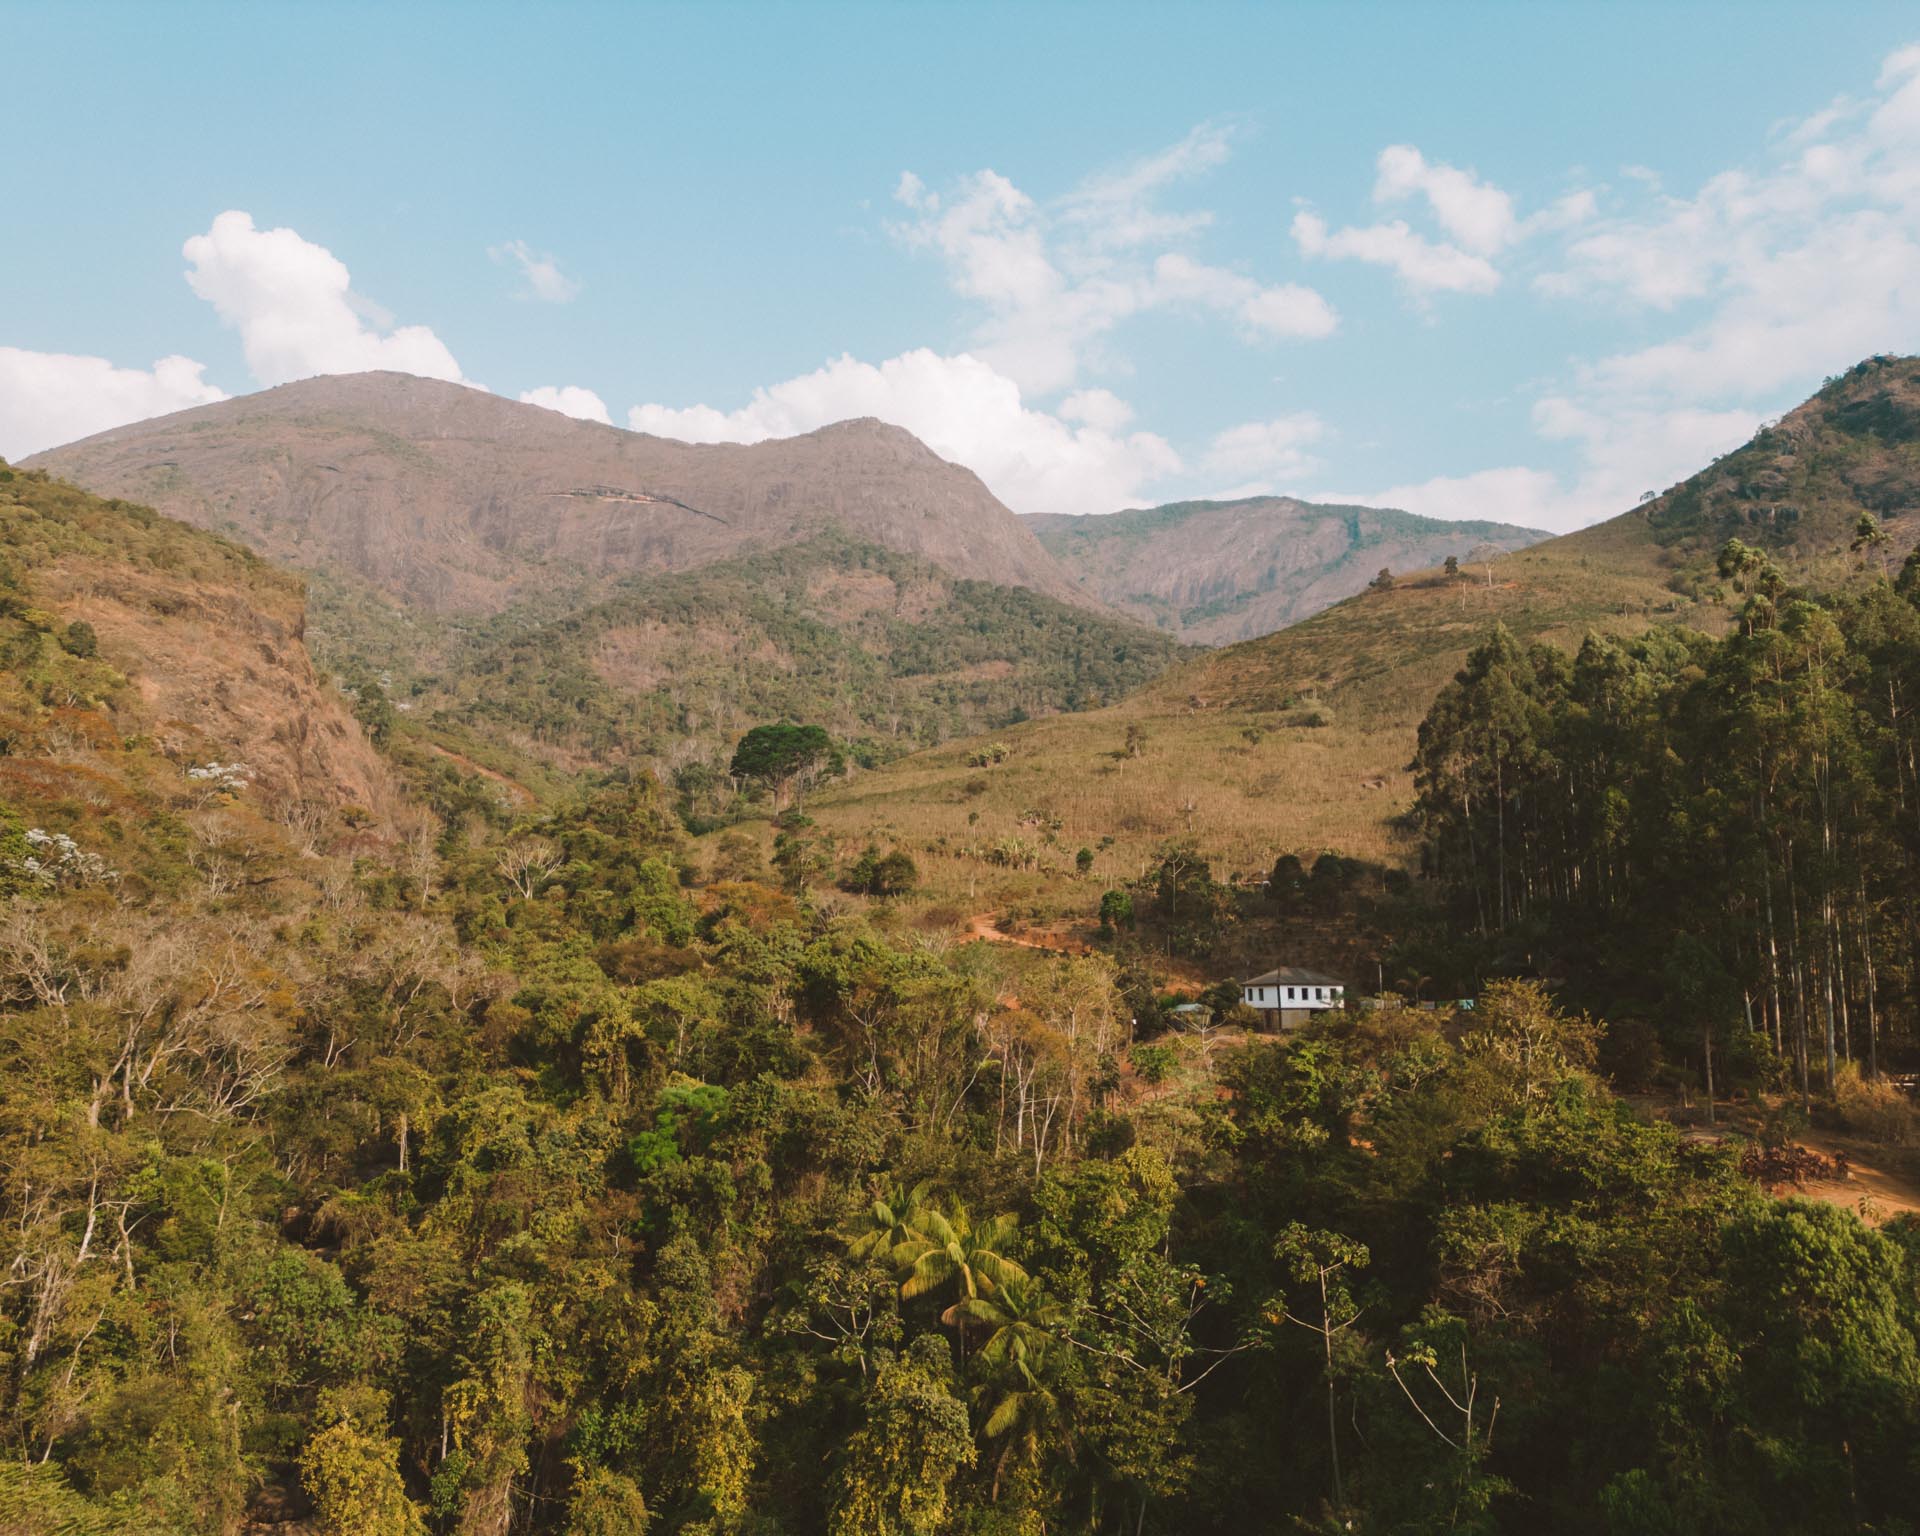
[
  {"x": 895, "y": 874},
  {"x": 1875, "y": 1109},
  {"x": 1153, "y": 1063}
]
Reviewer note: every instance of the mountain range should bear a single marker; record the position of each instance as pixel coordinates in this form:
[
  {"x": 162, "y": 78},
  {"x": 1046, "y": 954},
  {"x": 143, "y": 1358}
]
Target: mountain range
[
  {"x": 567, "y": 593},
  {"x": 556, "y": 594},
  {"x": 457, "y": 501},
  {"x": 1213, "y": 572}
]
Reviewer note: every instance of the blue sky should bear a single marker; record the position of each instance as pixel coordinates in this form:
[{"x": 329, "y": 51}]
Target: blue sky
[{"x": 1515, "y": 261}]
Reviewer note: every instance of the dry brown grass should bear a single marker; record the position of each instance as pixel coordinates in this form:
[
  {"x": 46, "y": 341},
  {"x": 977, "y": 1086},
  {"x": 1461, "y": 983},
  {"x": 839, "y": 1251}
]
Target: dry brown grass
[
  {"x": 1230, "y": 757},
  {"x": 1876, "y": 1110}
]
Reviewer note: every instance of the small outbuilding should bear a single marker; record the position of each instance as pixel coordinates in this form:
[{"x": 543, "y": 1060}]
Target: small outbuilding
[{"x": 1290, "y": 996}]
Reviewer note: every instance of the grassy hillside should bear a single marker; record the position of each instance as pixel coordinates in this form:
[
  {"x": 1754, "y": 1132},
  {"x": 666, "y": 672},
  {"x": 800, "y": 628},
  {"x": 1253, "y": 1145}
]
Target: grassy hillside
[
  {"x": 1296, "y": 742},
  {"x": 1300, "y": 741}
]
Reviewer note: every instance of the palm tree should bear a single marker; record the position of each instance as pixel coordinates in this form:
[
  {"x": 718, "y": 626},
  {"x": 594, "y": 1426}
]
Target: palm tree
[
  {"x": 950, "y": 1248},
  {"x": 1021, "y": 1317},
  {"x": 1026, "y": 1412},
  {"x": 891, "y": 1223}
]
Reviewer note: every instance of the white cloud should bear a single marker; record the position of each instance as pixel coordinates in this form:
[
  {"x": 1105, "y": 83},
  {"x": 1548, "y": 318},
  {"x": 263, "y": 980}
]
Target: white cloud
[
  {"x": 49, "y": 398},
  {"x": 1774, "y": 274},
  {"x": 569, "y": 400},
  {"x": 1100, "y": 408},
  {"x": 1425, "y": 266},
  {"x": 1267, "y": 452},
  {"x": 293, "y": 305},
  {"x": 1627, "y": 450},
  {"x": 1778, "y": 273},
  {"x": 1530, "y": 498},
  {"x": 1282, "y": 311},
  {"x": 1477, "y": 218},
  {"x": 1477, "y": 214},
  {"x": 1116, "y": 208},
  {"x": 1621, "y": 452},
  {"x": 910, "y": 190},
  {"x": 1842, "y": 291},
  {"x": 1055, "y": 280},
  {"x": 545, "y": 281},
  {"x": 962, "y": 408}
]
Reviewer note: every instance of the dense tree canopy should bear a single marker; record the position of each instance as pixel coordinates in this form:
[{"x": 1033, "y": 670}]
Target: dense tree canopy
[
  {"x": 496, "y": 1167},
  {"x": 1717, "y": 833}
]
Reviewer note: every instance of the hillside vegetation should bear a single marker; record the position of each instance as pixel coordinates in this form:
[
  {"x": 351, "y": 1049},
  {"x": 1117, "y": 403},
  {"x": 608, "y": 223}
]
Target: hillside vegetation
[
  {"x": 389, "y": 1146},
  {"x": 666, "y": 673},
  {"x": 1302, "y": 741},
  {"x": 1297, "y": 742},
  {"x": 485, "y": 1168}
]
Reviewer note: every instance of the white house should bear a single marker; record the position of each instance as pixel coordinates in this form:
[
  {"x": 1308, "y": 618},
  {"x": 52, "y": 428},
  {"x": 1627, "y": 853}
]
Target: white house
[{"x": 1291, "y": 995}]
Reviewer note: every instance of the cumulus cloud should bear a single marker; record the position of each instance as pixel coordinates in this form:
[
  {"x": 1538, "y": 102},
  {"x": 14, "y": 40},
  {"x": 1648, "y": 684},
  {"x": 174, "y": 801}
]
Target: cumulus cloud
[
  {"x": 1478, "y": 220},
  {"x": 569, "y": 400},
  {"x": 1477, "y": 214},
  {"x": 545, "y": 281},
  {"x": 1055, "y": 280},
  {"x": 966, "y": 411},
  {"x": 1100, "y": 408},
  {"x": 1266, "y": 452},
  {"x": 292, "y": 303},
  {"x": 1425, "y": 266},
  {"x": 49, "y": 398},
  {"x": 1279, "y": 311}
]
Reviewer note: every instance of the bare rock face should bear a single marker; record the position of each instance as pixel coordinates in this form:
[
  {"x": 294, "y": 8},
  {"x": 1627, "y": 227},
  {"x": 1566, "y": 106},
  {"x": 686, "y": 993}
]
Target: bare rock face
[
  {"x": 459, "y": 500},
  {"x": 1220, "y": 571}
]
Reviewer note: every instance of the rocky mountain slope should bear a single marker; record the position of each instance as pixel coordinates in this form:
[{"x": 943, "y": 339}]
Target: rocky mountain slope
[
  {"x": 147, "y": 665},
  {"x": 1214, "y": 572},
  {"x": 456, "y": 500}
]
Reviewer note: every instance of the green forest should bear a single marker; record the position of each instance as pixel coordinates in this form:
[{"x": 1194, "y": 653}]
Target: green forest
[
  {"x": 884, "y": 650},
  {"x": 552, "y": 1199},
  {"x": 1730, "y": 825},
  {"x": 533, "y": 1169}
]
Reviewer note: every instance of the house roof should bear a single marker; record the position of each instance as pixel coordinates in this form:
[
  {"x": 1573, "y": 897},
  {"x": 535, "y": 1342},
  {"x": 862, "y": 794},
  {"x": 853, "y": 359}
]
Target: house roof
[{"x": 1293, "y": 976}]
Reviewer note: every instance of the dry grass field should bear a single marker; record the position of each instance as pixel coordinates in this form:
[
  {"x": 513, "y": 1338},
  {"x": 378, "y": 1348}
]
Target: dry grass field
[{"x": 1297, "y": 742}]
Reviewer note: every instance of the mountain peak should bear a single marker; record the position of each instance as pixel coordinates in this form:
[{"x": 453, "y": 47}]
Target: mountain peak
[{"x": 462, "y": 500}]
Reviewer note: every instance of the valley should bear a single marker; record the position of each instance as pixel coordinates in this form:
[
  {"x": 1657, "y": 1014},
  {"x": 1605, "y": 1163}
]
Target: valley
[{"x": 604, "y": 1025}]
